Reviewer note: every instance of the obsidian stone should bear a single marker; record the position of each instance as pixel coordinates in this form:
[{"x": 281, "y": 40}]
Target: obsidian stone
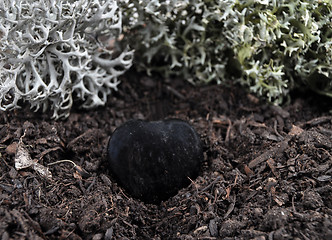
[{"x": 153, "y": 160}]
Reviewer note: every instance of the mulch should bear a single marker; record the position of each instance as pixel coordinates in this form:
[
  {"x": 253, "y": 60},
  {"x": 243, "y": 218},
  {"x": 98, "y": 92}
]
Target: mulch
[{"x": 266, "y": 172}]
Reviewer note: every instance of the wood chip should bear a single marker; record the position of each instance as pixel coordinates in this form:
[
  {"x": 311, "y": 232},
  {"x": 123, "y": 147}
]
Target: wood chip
[
  {"x": 11, "y": 149},
  {"x": 248, "y": 171},
  {"x": 200, "y": 229},
  {"x": 271, "y": 164},
  {"x": 278, "y": 149},
  {"x": 295, "y": 130}
]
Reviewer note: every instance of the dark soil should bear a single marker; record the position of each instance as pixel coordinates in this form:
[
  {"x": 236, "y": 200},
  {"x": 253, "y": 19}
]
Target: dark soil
[{"x": 266, "y": 175}]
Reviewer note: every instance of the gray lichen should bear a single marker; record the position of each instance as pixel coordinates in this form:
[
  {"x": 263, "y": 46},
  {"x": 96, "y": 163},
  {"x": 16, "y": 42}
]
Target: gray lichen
[
  {"x": 53, "y": 52},
  {"x": 56, "y": 52},
  {"x": 181, "y": 38}
]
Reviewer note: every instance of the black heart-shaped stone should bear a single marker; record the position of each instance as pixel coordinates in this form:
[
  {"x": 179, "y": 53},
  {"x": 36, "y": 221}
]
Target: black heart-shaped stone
[{"x": 153, "y": 160}]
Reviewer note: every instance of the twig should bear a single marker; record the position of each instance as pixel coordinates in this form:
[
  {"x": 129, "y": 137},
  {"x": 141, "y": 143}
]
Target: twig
[
  {"x": 293, "y": 205},
  {"x": 270, "y": 153},
  {"x": 212, "y": 183},
  {"x": 72, "y": 142},
  {"x": 193, "y": 184},
  {"x": 91, "y": 185},
  {"x": 317, "y": 121},
  {"x": 230, "y": 208},
  {"x": 61, "y": 161},
  {"x": 78, "y": 168},
  {"x": 275, "y": 125},
  {"x": 41, "y": 155},
  {"x": 228, "y": 131},
  {"x": 175, "y": 92}
]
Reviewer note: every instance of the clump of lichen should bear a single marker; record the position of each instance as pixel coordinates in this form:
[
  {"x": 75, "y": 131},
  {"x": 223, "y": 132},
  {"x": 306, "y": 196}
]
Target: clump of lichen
[
  {"x": 276, "y": 45},
  {"x": 181, "y": 38},
  {"x": 53, "y": 52},
  {"x": 283, "y": 44}
]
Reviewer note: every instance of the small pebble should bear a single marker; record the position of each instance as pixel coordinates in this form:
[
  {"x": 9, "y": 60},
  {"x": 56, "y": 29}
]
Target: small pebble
[{"x": 153, "y": 160}]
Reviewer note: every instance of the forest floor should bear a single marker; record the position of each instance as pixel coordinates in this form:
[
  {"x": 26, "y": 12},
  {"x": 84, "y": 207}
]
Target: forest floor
[{"x": 267, "y": 171}]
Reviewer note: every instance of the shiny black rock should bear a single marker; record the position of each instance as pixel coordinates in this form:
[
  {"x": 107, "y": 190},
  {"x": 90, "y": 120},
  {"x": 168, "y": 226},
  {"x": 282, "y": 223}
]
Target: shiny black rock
[{"x": 153, "y": 160}]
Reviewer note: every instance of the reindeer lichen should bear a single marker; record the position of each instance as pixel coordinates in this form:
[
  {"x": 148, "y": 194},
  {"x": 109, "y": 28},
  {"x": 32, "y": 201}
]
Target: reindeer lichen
[
  {"x": 275, "y": 45},
  {"x": 55, "y": 52}
]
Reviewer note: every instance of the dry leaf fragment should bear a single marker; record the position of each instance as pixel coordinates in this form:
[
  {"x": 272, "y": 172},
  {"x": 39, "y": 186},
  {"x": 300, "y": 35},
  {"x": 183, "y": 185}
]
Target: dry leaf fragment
[
  {"x": 43, "y": 171},
  {"x": 22, "y": 157},
  {"x": 24, "y": 160}
]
